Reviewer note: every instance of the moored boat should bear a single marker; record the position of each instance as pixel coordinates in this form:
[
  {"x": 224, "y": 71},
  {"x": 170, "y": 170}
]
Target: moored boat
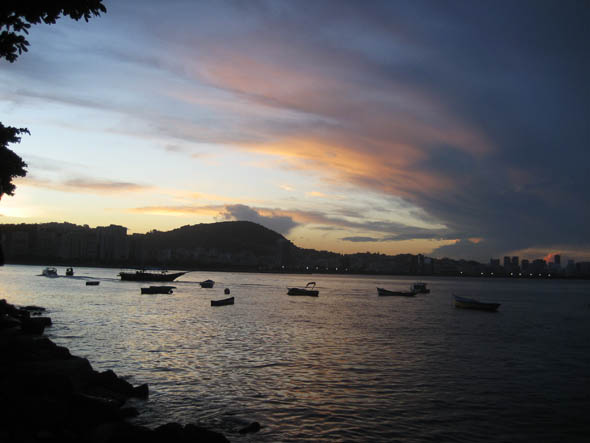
[
  {"x": 158, "y": 290},
  {"x": 70, "y": 272},
  {"x": 309, "y": 290},
  {"x": 142, "y": 275},
  {"x": 470, "y": 303},
  {"x": 223, "y": 302},
  {"x": 419, "y": 288},
  {"x": 207, "y": 284},
  {"x": 49, "y": 271},
  {"x": 384, "y": 292},
  {"x": 92, "y": 283}
]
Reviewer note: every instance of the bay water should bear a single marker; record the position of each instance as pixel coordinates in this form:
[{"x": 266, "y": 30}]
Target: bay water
[{"x": 345, "y": 366}]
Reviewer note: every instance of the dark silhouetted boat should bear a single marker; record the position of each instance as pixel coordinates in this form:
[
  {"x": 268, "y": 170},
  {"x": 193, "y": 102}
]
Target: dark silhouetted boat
[
  {"x": 384, "y": 292},
  {"x": 70, "y": 272},
  {"x": 207, "y": 284},
  {"x": 470, "y": 303},
  {"x": 419, "y": 288},
  {"x": 49, "y": 272},
  {"x": 309, "y": 290},
  {"x": 92, "y": 283},
  {"x": 223, "y": 302},
  {"x": 142, "y": 275},
  {"x": 158, "y": 290}
]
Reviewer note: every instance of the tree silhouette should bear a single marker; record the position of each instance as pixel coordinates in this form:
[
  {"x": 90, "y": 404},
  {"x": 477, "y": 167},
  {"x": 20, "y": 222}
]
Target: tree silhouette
[
  {"x": 16, "y": 18},
  {"x": 11, "y": 165}
]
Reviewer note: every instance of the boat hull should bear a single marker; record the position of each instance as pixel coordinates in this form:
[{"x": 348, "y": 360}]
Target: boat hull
[
  {"x": 149, "y": 276},
  {"x": 207, "y": 284},
  {"x": 158, "y": 290},
  {"x": 466, "y": 303},
  {"x": 384, "y": 292},
  {"x": 92, "y": 283},
  {"x": 224, "y": 302},
  {"x": 299, "y": 291}
]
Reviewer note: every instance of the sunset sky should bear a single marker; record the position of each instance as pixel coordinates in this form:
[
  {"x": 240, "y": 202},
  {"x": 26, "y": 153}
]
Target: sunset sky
[{"x": 457, "y": 129}]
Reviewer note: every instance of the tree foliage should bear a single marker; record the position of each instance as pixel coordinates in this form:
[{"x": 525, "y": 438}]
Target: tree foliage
[
  {"x": 16, "y": 17},
  {"x": 11, "y": 165}
]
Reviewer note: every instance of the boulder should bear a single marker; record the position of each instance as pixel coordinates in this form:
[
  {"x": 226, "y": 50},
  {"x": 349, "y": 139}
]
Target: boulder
[{"x": 252, "y": 427}]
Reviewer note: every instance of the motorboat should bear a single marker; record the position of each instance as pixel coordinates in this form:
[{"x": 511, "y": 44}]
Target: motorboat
[
  {"x": 223, "y": 302},
  {"x": 142, "y": 275},
  {"x": 419, "y": 288},
  {"x": 92, "y": 283},
  {"x": 470, "y": 303},
  {"x": 70, "y": 272},
  {"x": 158, "y": 290},
  {"x": 309, "y": 290},
  {"x": 49, "y": 272},
  {"x": 207, "y": 284},
  {"x": 384, "y": 292}
]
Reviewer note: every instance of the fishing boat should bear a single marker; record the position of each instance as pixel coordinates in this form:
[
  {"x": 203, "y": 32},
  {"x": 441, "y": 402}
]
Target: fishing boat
[
  {"x": 384, "y": 292},
  {"x": 49, "y": 272},
  {"x": 309, "y": 290},
  {"x": 419, "y": 288},
  {"x": 142, "y": 275},
  {"x": 158, "y": 290},
  {"x": 92, "y": 283},
  {"x": 207, "y": 284},
  {"x": 70, "y": 272},
  {"x": 223, "y": 302},
  {"x": 470, "y": 303}
]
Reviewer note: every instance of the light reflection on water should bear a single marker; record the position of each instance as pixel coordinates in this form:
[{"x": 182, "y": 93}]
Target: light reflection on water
[{"x": 347, "y": 365}]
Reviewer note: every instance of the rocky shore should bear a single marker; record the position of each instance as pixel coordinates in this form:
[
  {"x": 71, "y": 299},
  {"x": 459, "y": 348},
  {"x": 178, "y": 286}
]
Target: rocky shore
[{"x": 49, "y": 395}]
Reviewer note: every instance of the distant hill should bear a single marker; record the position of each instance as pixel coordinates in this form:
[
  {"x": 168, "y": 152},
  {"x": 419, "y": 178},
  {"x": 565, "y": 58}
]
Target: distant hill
[{"x": 231, "y": 236}]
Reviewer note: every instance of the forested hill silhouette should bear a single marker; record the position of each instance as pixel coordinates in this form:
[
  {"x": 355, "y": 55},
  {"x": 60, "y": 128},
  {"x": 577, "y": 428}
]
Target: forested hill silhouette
[{"x": 230, "y": 236}]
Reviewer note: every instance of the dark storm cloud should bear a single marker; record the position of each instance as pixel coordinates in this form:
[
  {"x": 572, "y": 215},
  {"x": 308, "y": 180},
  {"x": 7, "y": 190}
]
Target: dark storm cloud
[
  {"x": 280, "y": 223},
  {"x": 476, "y": 114}
]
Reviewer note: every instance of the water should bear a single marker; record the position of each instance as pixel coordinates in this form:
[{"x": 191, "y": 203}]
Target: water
[{"x": 346, "y": 366}]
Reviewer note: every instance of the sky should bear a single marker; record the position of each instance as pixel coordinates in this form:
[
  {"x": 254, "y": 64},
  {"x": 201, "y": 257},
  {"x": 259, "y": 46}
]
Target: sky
[{"x": 455, "y": 129}]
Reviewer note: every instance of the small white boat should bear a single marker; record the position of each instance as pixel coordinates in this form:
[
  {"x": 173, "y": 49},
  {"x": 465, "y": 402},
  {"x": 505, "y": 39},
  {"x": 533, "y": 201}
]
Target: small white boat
[{"x": 50, "y": 271}]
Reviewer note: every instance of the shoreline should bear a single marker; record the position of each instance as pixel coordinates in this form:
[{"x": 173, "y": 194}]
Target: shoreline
[
  {"x": 486, "y": 276},
  {"x": 54, "y": 396}
]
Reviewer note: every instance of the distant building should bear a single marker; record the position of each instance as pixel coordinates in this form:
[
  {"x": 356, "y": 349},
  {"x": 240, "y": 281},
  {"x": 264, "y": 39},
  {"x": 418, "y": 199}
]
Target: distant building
[
  {"x": 494, "y": 262},
  {"x": 525, "y": 265},
  {"x": 515, "y": 262},
  {"x": 557, "y": 260},
  {"x": 507, "y": 262}
]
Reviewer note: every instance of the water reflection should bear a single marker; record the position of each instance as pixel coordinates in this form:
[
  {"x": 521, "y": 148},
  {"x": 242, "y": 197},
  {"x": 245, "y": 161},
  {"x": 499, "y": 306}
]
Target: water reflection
[{"x": 347, "y": 365}]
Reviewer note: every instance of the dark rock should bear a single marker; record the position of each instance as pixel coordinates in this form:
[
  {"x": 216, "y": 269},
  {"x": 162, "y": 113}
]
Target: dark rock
[
  {"x": 170, "y": 432},
  {"x": 141, "y": 391},
  {"x": 109, "y": 380},
  {"x": 7, "y": 321},
  {"x": 32, "y": 326},
  {"x": 33, "y": 308},
  {"x": 194, "y": 433},
  {"x": 252, "y": 427},
  {"x": 128, "y": 412}
]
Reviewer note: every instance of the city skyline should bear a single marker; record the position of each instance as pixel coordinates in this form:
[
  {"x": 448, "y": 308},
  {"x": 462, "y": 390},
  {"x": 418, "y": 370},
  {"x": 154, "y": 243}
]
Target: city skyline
[{"x": 398, "y": 127}]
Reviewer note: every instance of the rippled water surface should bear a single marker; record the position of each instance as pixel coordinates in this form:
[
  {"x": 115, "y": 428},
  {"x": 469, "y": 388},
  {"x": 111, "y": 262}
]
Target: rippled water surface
[{"x": 345, "y": 366}]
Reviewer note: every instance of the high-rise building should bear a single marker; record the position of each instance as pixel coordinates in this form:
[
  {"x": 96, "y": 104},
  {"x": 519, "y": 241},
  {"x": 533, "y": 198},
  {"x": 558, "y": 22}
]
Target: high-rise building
[
  {"x": 557, "y": 260},
  {"x": 494, "y": 262},
  {"x": 506, "y": 262},
  {"x": 525, "y": 265},
  {"x": 515, "y": 262}
]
